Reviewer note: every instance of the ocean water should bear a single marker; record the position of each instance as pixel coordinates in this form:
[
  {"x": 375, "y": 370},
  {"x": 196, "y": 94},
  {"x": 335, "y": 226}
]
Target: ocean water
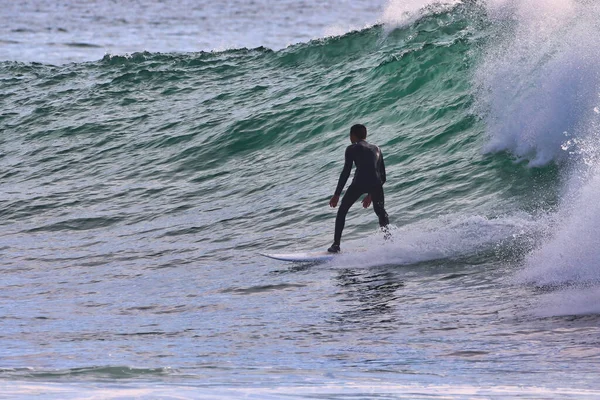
[{"x": 150, "y": 152}]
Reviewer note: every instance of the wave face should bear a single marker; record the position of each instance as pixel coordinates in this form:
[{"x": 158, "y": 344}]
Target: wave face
[
  {"x": 243, "y": 121},
  {"x": 241, "y": 147}
]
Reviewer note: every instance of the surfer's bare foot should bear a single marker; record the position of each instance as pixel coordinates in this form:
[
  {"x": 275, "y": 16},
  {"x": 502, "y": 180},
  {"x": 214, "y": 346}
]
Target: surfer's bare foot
[{"x": 335, "y": 248}]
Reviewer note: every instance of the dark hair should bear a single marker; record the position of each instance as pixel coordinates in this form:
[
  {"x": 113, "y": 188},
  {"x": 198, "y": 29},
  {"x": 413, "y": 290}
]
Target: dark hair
[{"x": 359, "y": 130}]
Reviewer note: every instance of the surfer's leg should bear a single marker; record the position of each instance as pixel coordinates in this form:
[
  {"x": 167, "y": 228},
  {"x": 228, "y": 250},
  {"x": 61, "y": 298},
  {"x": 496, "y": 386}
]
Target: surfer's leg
[
  {"x": 378, "y": 199},
  {"x": 350, "y": 197}
]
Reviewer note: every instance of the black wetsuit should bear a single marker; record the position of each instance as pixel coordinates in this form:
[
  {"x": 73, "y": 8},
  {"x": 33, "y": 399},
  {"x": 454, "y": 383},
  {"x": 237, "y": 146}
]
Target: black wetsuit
[{"x": 369, "y": 177}]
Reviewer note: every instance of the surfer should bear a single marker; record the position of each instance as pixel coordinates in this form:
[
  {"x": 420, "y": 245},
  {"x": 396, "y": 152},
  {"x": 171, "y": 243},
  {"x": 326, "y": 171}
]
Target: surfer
[{"x": 369, "y": 178}]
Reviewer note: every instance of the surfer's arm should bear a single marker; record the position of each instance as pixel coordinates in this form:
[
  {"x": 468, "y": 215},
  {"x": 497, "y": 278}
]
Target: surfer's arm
[{"x": 345, "y": 172}]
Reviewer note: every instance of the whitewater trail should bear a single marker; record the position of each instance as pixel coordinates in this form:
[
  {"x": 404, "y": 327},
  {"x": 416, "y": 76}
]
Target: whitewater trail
[{"x": 444, "y": 238}]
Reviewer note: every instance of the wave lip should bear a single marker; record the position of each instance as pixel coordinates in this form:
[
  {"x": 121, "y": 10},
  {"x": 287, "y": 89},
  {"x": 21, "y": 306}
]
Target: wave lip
[{"x": 400, "y": 13}]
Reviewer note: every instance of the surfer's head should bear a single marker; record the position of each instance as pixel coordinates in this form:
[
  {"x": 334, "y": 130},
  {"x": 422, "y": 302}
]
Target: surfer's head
[{"x": 358, "y": 132}]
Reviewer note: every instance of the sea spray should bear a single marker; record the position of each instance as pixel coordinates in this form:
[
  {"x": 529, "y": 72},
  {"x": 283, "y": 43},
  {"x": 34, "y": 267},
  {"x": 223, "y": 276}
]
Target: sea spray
[
  {"x": 540, "y": 84},
  {"x": 539, "y": 77}
]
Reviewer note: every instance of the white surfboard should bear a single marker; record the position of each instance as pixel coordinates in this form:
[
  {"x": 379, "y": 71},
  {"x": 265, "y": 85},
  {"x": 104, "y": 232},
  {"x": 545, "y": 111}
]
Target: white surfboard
[{"x": 315, "y": 257}]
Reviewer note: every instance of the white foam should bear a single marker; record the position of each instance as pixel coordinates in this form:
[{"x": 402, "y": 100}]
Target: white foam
[
  {"x": 539, "y": 79},
  {"x": 569, "y": 259},
  {"x": 572, "y": 253},
  {"x": 447, "y": 237},
  {"x": 540, "y": 89}
]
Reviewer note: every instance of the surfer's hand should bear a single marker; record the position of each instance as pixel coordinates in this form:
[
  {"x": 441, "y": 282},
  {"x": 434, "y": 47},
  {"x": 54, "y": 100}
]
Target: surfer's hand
[
  {"x": 333, "y": 202},
  {"x": 367, "y": 201}
]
